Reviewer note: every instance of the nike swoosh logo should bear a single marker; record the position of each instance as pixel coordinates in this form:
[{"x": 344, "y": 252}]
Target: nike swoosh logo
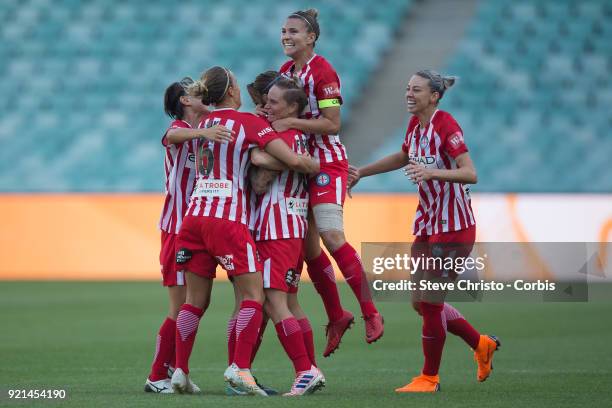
[{"x": 320, "y": 194}]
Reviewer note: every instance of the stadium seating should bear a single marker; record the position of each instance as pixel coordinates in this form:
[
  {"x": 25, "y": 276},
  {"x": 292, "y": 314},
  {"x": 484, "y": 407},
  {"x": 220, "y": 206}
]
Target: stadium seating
[
  {"x": 533, "y": 98},
  {"x": 83, "y": 81}
]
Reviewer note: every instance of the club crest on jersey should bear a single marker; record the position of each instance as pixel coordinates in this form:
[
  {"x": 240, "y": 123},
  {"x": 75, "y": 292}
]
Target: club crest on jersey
[
  {"x": 323, "y": 179},
  {"x": 424, "y": 143},
  {"x": 205, "y": 160},
  {"x": 227, "y": 261}
]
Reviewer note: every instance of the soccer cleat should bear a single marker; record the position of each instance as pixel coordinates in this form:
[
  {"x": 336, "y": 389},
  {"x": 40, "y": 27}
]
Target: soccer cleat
[
  {"x": 483, "y": 355},
  {"x": 335, "y": 330},
  {"x": 182, "y": 384},
  {"x": 231, "y": 391},
  {"x": 307, "y": 382},
  {"x": 159, "y": 387},
  {"x": 422, "y": 383},
  {"x": 242, "y": 380},
  {"x": 375, "y": 327},
  {"x": 170, "y": 371},
  {"x": 267, "y": 390}
]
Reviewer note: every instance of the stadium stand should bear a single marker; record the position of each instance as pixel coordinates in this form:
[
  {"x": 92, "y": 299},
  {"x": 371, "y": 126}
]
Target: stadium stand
[
  {"x": 83, "y": 81},
  {"x": 533, "y": 98}
]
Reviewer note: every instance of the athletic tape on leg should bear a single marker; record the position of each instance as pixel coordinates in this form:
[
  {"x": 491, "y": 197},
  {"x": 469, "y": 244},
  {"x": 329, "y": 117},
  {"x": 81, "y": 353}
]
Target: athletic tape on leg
[{"x": 329, "y": 217}]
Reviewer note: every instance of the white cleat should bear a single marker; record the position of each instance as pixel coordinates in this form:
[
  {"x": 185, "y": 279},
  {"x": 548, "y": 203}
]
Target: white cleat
[
  {"x": 159, "y": 387},
  {"x": 182, "y": 384},
  {"x": 307, "y": 382},
  {"x": 242, "y": 380}
]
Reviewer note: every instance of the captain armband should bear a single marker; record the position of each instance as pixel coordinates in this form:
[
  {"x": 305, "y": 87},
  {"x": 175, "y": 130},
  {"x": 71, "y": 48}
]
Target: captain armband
[{"x": 329, "y": 103}]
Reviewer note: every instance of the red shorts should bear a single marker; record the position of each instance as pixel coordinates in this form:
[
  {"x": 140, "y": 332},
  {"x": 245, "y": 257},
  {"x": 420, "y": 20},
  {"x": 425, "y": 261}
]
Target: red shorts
[
  {"x": 167, "y": 256},
  {"x": 282, "y": 263},
  {"x": 329, "y": 186},
  {"x": 205, "y": 242},
  {"x": 453, "y": 244}
]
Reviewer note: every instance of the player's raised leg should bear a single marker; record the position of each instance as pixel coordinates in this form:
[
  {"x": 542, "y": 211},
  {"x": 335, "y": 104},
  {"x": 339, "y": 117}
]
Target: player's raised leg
[
  {"x": 484, "y": 346},
  {"x": 329, "y": 218}
]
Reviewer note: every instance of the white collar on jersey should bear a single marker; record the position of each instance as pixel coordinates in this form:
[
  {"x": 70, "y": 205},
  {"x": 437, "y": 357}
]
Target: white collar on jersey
[
  {"x": 223, "y": 109},
  {"x": 430, "y": 120},
  {"x": 185, "y": 122},
  {"x": 305, "y": 65}
]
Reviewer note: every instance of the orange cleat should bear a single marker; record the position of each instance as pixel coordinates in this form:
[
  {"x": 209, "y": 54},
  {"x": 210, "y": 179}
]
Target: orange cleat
[
  {"x": 483, "y": 355},
  {"x": 375, "y": 327},
  {"x": 422, "y": 383},
  {"x": 335, "y": 330}
]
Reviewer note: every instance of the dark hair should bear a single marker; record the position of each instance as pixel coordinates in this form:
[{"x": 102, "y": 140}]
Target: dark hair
[
  {"x": 437, "y": 83},
  {"x": 261, "y": 85},
  {"x": 310, "y": 19},
  {"x": 293, "y": 92},
  {"x": 172, "y": 98},
  {"x": 212, "y": 86}
]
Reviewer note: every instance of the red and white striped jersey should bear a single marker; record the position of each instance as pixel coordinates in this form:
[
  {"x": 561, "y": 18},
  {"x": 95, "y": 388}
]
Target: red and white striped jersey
[
  {"x": 443, "y": 206},
  {"x": 180, "y": 169},
  {"x": 283, "y": 210},
  {"x": 322, "y": 86},
  {"x": 220, "y": 189}
]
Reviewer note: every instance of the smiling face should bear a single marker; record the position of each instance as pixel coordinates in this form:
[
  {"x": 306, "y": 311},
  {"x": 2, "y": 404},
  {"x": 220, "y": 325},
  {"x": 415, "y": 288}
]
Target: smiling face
[
  {"x": 295, "y": 38},
  {"x": 419, "y": 95},
  {"x": 277, "y": 107}
]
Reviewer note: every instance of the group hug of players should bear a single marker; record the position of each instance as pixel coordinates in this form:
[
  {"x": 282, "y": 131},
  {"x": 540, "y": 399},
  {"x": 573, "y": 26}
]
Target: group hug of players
[{"x": 256, "y": 193}]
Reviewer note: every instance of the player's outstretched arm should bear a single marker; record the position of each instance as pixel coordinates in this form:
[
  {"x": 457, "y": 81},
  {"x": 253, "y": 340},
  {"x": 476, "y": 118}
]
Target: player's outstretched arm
[
  {"x": 389, "y": 163},
  {"x": 301, "y": 163},
  {"x": 215, "y": 133},
  {"x": 465, "y": 173}
]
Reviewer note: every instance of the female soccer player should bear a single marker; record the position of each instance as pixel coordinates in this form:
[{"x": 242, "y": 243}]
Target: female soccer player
[
  {"x": 214, "y": 230},
  {"x": 280, "y": 229},
  {"x": 179, "y": 164},
  {"x": 327, "y": 190},
  {"x": 437, "y": 159}
]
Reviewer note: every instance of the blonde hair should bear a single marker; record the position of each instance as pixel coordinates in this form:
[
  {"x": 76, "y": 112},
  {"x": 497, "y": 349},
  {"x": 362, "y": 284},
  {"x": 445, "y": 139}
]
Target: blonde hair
[{"x": 212, "y": 87}]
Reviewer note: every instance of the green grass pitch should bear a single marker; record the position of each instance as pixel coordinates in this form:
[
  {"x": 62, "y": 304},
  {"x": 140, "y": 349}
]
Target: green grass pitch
[{"x": 96, "y": 340}]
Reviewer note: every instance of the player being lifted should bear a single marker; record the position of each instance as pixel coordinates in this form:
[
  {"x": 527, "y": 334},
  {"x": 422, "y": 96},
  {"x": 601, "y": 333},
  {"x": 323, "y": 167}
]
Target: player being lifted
[
  {"x": 179, "y": 142},
  {"x": 321, "y": 121},
  {"x": 437, "y": 160},
  {"x": 219, "y": 208}
]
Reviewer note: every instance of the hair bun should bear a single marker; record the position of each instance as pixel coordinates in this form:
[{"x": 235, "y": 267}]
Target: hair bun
[
  {"x": 313, "y": 12},
  {"x": 448, "y": 81}
]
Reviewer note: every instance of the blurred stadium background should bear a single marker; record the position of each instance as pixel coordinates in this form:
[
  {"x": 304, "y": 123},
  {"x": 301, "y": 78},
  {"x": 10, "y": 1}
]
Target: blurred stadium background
[{"x": 82, "y": 85}]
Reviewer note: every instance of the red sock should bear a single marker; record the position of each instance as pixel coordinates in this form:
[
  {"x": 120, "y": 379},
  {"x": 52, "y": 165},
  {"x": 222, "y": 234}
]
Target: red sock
[
  {"x": 308, "y": 339},
  {"x": 350, "y": 265},
  {"x": 164, "y": 349},
  {"x": 231, "y": 340},
  {"x": 321, "y": 274},
  {"x": 433, "y": 337},
  {"x": 262, "y": 329},
  {"x": 248, "y": 324},
  {"x": 186, "y": 329},
  {"x": 290, "y": 335},
  {"x": 456, "y": 324}
]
